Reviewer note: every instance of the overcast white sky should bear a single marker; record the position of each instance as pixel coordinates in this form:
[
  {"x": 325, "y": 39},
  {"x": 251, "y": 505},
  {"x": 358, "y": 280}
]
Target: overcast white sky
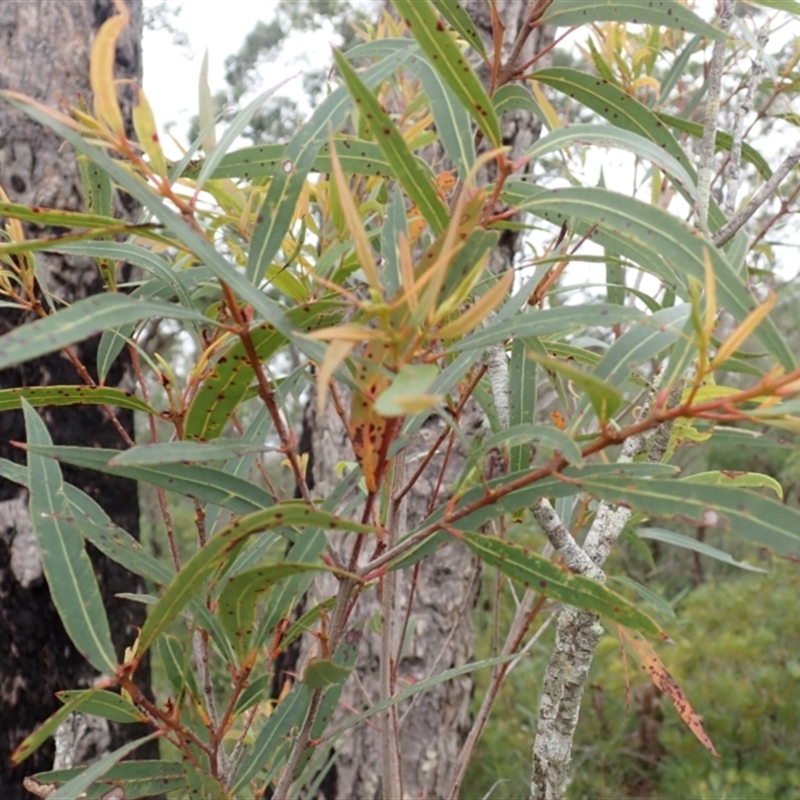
[{"x": 171, "y": 73}]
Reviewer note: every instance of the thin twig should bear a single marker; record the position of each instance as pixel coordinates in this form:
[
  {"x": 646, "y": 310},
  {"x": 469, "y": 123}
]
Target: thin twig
[{"x": 729, "y": 229}]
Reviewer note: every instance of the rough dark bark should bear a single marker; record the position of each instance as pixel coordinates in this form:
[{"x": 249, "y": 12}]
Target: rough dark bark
[
  {"x": 44, "y": 52},
  {"x": 441, "y": 634}
]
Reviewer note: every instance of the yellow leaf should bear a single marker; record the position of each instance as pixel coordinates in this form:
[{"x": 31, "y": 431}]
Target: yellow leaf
[
  {"x": 145, "y": 126},
  {"x": 335, "y": 353},
  {"x": 549, "y": 112},
  {"x": 742, "y": 333},
  {"x": 101, "y": 70},
  {"x": 348, "y": 332},
  {"x": 205, "y": 116},
  {"x": 472, "y": 317},
  {"x": 711, "y": 298},
  {"x": 363, "y": 248}
]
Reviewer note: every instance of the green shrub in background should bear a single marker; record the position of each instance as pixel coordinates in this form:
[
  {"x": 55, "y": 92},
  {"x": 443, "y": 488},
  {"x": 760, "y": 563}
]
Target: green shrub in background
[{"x": 743, "y": 681}]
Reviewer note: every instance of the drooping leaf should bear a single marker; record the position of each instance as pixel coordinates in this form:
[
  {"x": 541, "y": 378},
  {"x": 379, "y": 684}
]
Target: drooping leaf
[
  {"x": 72, "y": 395},
  {"x": 69, "y": 572},
  {"x": 105, "y": 704},
  {"x": 751, "y": 516},
  {"x": 659, "y": 232},
  {"x": 660, "y": 676},
  {"x": 198, "y": 482},
  {"x": 545, "y": 436},
  {"x": 542, "y": 575},
  {"x": 74, "y": 789},
  {"x": 521, "y": 402},
  {"x": 138, "y": 779},
  {"x": 724, "y": 141},
  {"x": 187, "y": 452},
  {"x": 460, "y": 21},
  {"x": 537, "y": 322},
  {"x": 690, "y": 543},
  {"x": 81, "y": 320},
  {"x": 653, "y": 12}
]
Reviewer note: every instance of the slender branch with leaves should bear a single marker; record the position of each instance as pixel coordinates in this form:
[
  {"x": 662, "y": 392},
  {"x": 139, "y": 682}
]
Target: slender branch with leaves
[{"x": 345, "y": 247}]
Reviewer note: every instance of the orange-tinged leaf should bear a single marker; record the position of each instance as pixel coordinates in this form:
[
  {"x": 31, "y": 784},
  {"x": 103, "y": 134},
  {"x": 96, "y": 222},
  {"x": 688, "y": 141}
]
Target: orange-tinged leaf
[
  {"x": 101, "y": 70},
  {"x": 368, "y": 429},
  {"x": 660, "y": 676},
  {"x": 484, "y": 306},
  {"x": 366, "y": 258},
  {"x": 145, "y": 125},
  {"x": 743, "y": 332}
]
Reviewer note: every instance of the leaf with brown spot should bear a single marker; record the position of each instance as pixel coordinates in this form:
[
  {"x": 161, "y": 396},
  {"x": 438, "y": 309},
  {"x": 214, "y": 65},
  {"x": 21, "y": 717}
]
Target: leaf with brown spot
[{"x": 660, "y": 676}]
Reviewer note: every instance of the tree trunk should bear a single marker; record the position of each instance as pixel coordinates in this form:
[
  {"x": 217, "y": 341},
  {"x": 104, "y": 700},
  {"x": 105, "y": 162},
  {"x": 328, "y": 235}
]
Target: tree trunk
[
  {"x": 433, "y": 726},
  {"x": 44, "y": 52}
]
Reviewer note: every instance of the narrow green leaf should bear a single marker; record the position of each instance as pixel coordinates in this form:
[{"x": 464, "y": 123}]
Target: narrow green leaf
[
  {"x": 451, "y": 118},
  {"x": 724, "y": 141},
  {"x": 545, "y": 436},
  {"x": 758, "y": 519},
  {"x": 658, "y": 231},
  {"x": 187, "y": 452},
  {"x": 277, "y": 211},
  {"x": 594, "y": 135},
  {"x": 226, "y": 385},
  {"x": 239, "y": 599},
  {"x": 689, "y": 543},
  {"x": 81, "y": 320},
  {"x": 648, "y": 595},
  {"x": 655, "y": 12},
  {"x": 138, "y": 779},
  {"x": 626, "y": 112},
  {"x": 177, "y": 665},
  {"x": 290, "y": 712},
  {"x": 105, "y": 704},
  {"x": 322, "y": 673},
  {"x": 538, "y": 322},
  {"x": 521, "y": 402},
  {"x": 446, "y": 58},
  {"x": 194, "y": 573},
  {"x": 750, "y": 480},
  {"x": 635, "y": 348},
  {"x": 542, "y": 575},
  {"x": 198, "y": 482},
  {"x": 75, "y": 788},
  {"x": 513, "y": 97},
  {"x": 69, "y": 572},
  {"x": 461, "y": 21},
  {"x": 357, "y": 157},
  {"x": 35, "y": 740},
  {"x": 605, "y": 399},
  {"x": 409, "y": 173},
  {"x": 232, "y": 133},
  {"x": 72, "y": 395},
  {"x": 395, "y": 225},
  {"x": 57, "y": 218}
]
